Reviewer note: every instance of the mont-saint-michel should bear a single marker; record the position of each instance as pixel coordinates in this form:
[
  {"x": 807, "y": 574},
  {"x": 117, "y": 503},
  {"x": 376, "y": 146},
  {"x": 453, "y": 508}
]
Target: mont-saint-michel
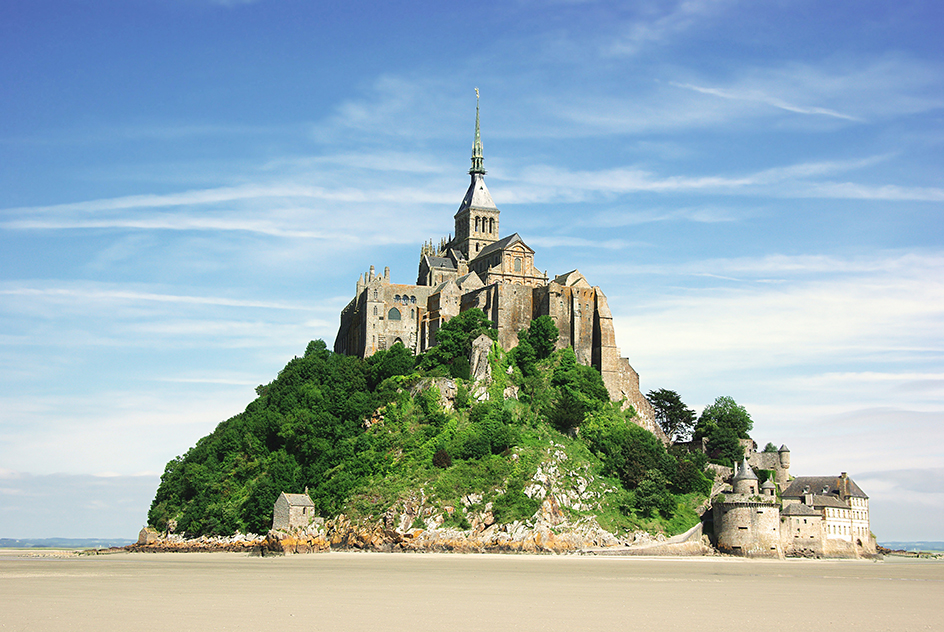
[{"x": 487, "y": 408}]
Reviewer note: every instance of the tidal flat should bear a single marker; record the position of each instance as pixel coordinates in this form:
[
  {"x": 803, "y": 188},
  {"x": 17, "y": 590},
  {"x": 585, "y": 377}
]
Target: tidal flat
[{"x": 419, "y": 592}]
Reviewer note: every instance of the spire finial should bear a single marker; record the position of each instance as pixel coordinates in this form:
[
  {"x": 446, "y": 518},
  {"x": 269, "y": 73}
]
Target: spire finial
[{"x": 477, "y": 158}]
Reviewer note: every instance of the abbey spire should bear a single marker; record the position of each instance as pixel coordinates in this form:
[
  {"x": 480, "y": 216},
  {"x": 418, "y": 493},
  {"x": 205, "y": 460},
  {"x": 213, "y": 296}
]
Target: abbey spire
[
  {"x": 478, "y": 159},
  {"x": 477, "y": 217}
]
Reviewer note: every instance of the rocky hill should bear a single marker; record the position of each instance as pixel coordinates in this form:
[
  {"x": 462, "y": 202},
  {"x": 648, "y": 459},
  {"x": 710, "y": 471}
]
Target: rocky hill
[{"x": 473, "y": 449}]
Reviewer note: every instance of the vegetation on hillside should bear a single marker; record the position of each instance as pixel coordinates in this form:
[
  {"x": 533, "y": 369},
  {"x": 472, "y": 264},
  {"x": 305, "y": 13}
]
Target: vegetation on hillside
[
  {"x": 723, "y": 423},
  {"x": 363, "y": 435}
]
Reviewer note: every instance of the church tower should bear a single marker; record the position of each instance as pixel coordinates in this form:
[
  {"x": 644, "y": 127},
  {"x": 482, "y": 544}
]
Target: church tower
[{"x": 477, "y": 217}]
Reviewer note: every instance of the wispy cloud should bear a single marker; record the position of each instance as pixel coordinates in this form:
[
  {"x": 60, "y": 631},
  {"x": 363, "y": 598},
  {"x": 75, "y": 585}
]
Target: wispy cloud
[
  {"x": 544, "y": 183},
  {"x": 96, "y": 294},
  {"x": 768, "y": 100},
  {"x": 659, "y": 26}
]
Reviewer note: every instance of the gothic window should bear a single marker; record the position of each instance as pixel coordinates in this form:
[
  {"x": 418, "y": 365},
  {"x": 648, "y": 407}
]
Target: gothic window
[
  {"x": 491, "y": 225},
  {"x": 413, "y": 299},
  {"x": 375, "y": 295},
  {"x": 476, "y": 246},
  {"x": 396, "y": 298},
  {"x": 412, "y": 315},
  {"x": 517, "y": 264},
  {"x": 375, "y": 310},
  {"x": 393, "y": 314}
]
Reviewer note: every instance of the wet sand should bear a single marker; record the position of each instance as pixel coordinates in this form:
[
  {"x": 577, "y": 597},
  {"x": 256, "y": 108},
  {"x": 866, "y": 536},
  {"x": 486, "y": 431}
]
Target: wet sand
[{"x": 419, "y": 592}]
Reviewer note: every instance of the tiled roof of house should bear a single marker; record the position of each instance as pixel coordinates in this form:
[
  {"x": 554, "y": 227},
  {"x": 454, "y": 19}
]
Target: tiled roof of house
[
  {"x": 823, "y": 485},
  {"x": 298, "y": 500}
]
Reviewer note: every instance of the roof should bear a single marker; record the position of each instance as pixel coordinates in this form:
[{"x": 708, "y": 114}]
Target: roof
[
  {"x": 573, "y": 278},
  {"x": 829, "y": 501},
  {"x": 501, "y": 244},
  {"x": 745, "y": 472},
  {"x": 798, "y": 509},
  {"x": 470, "y": 281},
  {"x": 298, "y": 500},
  {"x": 440, "y": 262},
  {"x": 477, "y": 195},
  {"x": 822, "y": 485}
]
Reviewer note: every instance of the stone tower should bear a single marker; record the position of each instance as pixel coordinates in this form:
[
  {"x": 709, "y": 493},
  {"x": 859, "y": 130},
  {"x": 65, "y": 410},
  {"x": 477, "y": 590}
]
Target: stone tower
[{"x": 477, "y": 217}]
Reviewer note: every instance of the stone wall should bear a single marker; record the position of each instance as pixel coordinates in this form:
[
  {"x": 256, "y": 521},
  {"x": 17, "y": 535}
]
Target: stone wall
[
  {"x": 750, "y": 529},
  {"x": 802, "y": 536}
]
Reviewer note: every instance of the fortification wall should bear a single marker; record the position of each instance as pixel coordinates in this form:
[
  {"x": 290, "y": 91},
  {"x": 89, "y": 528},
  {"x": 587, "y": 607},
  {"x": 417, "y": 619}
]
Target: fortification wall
[
  {"x": 802, "y": 536},
  {"x": 748, "y": 528}
]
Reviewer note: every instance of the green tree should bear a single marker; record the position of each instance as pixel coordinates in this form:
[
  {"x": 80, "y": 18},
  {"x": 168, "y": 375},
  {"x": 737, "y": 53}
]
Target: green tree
[
  {"x": 652, "y": 495},
  {"x": 627, "y": 450},
  {"x": 543, "y": 335},
  {"x": 675, "y": 418},
  {"x": 397, "y": 360},
  {"x": 724, "y": 448},
  {"x": 454, "y": 341},
  {"x": 770, "y": 447},
  {"x": 534, "y": 344},
  {"x": 580, "y": 390},
  {"x": 724, "y": 413}
]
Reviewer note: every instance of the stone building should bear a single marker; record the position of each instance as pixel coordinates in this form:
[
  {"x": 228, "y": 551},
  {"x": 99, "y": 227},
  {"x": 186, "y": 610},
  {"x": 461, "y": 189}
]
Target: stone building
[
  {"x": 292, "y": 511},
  {"x": 778, "y": 462},
  {"x": 477, "y": 267},
  {"x": 747, "y": 519},
  {"x": 842, "y": 509},
  {"x": 821, "y": 516}
]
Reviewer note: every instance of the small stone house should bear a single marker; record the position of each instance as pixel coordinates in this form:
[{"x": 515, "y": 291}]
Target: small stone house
[{"x": 292, "y": 511}]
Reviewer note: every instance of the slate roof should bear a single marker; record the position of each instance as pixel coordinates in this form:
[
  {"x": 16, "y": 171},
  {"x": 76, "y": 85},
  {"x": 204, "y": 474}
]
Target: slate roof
[
  {"x": 501, "y": 244},
  {"x": 746, "y": 472},
  {"x": 298, "y": 500},
  {"x": 477, "y": 196},
  {"x": 440, "y": 262},
  {"x": 818, "y": 483},
  {"x": 798, "y": 509},
  {"x": 467, "y": 277},
  {"x": 829, "y": 501}
]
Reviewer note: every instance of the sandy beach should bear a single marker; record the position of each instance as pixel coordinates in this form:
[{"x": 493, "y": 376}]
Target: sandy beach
[{"x": 418, "y": 592}]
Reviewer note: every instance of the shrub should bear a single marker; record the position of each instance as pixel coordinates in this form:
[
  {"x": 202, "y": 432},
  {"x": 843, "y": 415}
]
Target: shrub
[
  {"x": 514, "y": 504},
  {"x": 442, "y": 459}
]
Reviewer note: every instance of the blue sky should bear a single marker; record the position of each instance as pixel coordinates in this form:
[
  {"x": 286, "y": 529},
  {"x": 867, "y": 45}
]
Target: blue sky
[{"x": 189, "y": 190}]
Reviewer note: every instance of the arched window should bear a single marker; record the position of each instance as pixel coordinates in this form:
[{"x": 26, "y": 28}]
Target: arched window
[
  {"x": 413, "y": 299},
  {"x": 412, "y": 314},
  {"x": 491, "y": 225},
  {"x": 375, "y": 295},
  {"x": 476, "y": 224},
  {"x": 396, "y": 298},
  {"x": 375, "y": 310},
  {"x": 517, "y": 264},
  {"x": 393, "y": 314}
]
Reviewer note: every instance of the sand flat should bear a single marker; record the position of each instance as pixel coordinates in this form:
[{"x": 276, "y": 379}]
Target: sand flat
[{"x": 418, "y": 592}]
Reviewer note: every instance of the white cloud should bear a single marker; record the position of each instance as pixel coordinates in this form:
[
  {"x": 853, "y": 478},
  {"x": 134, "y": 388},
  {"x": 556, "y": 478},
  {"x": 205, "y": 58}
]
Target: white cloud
[
  {"x": 657, "y": 26},
  {"x": 758, "y": 97}
]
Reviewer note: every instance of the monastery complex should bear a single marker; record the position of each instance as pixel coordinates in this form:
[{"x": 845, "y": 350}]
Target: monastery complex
[{"x": 477, "y": 267}]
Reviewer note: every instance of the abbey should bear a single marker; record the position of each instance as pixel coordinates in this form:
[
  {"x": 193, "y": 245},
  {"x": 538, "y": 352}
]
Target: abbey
[{"x": 477, "y": 267}]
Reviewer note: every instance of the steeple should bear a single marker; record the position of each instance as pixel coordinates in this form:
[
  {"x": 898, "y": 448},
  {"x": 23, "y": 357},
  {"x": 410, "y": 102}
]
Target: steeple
[
  {"x": 478, "y": 159},
  {"x": 477, "y": 217}
]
